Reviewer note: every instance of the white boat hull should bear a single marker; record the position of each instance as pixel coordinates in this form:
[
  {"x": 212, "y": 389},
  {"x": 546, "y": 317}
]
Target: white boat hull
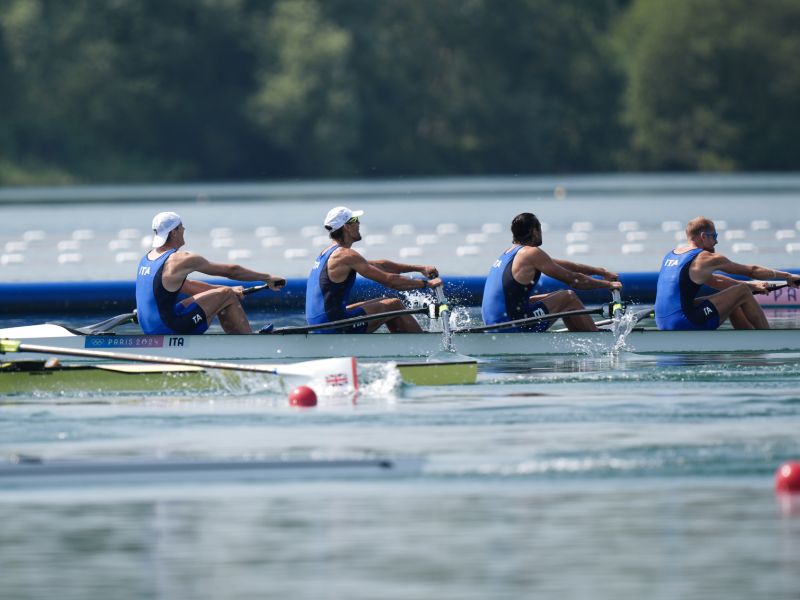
[{"x": 415, "y": 345}]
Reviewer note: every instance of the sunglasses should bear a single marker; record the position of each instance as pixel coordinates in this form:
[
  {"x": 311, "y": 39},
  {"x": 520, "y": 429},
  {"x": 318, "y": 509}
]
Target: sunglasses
[
  {"x": 351, "y": 221},
  {"x": 711, "y": 235}
]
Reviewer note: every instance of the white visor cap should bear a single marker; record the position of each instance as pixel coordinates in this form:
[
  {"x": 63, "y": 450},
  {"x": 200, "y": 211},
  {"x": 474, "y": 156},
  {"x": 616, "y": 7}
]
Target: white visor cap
[
  {"x": 337, "y": 217},
  {"x": 163, "y": 223}
]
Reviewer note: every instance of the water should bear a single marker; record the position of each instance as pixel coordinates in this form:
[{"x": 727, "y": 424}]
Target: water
[
  {"x": 611, "y": 477},
  {"x": 586, "y": 476},
  {"x": 624, "y": 223}
]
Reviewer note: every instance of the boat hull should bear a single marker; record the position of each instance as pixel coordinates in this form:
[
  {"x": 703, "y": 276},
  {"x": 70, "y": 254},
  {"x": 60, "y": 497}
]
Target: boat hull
[
  {"x": 37, "y": 378},
  {"x": 407, "y": 346}
]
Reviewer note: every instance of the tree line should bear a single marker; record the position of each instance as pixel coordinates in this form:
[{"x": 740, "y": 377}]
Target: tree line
[{"x": 146, "y": 90}]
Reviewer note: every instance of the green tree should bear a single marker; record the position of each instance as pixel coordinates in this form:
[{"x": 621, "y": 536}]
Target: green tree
[
  {"x": 305, "y": 103},
  {"x": 131, "y": 90},
  {"x": 711, "y": 84},
  {"x": 474, "y": 86}
]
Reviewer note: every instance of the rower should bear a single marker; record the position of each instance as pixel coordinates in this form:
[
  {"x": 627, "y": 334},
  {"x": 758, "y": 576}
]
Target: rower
[
  {"x": 334, "y": 273},
  {"x": 506, "y": 295},
  {"x": 688, "y": 267},
  {"x": 162, "y": 276}
]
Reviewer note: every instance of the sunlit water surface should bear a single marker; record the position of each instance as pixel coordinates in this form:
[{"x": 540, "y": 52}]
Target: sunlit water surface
[
  {"x": 622, "y": 476},
  {"x": 591, "y": 476}
]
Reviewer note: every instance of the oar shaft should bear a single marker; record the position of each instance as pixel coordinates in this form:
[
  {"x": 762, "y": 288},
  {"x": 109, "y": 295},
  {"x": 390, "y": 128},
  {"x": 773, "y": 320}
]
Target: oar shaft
[
  {"x": 517, "y": 322},
  {"x": 637, "y": 316},
  {"x": 616, "y": 303},
  {"x": 444, "y": 309},
  {"x": 351, "y": 321},
  {"x": 10, "y": 346}
]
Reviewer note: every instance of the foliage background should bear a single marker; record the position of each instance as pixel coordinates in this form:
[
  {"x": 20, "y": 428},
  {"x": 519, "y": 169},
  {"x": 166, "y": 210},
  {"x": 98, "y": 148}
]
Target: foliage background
[{"x": 146, "y": 90}]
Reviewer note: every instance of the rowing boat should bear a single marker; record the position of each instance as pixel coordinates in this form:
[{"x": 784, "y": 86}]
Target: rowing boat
[
  {"x": 42, "y": 377},
  {"x": 407, "y": 345}
]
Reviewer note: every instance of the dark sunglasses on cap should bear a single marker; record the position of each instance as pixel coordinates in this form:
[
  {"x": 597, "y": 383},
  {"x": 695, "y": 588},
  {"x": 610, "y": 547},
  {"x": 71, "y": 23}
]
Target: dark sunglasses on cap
[
  {"x": 351, "y": 220},
  {"x": 711, "y": 235}
]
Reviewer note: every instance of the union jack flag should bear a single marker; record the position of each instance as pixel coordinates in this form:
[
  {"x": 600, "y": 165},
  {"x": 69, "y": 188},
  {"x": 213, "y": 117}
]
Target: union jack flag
[{"x": 336, "y": 379}]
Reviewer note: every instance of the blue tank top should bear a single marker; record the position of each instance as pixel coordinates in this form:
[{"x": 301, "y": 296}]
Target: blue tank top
[
  {"x": 326, "y": 300},
  {"x": 675, "y": 291},
  {"x": 504, "y": 298},
  {"x": 155, "y": 305}
]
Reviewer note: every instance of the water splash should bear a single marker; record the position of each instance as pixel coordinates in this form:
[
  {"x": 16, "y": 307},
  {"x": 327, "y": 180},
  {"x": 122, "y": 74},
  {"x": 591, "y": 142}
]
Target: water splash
[
  {"x": 621, "y": 326},
  {"x": 378, "y": 380}
]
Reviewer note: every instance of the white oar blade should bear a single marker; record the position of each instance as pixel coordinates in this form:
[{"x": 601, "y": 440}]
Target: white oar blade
[
  {"x": 45, "y": 330},
  {"x": 327, "y": 375}
]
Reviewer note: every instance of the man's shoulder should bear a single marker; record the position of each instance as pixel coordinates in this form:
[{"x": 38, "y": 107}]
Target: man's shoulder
[
  {"x": 182, "y": 259},
  {"x": 531, "y": 253},
  {"x": 182, "y": 255},
  {"x": 710, "y": 259},
  {"x": 346, "y": 254}
]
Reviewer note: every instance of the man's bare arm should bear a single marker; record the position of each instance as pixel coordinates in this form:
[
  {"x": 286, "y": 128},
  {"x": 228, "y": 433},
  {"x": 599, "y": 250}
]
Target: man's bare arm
[
  {"x": 184, "y": 263},
  {"x": 397, "y": 268},
  {"x": 717, "y": 262},
  {"x": 587, "y": 269},
  {"x": 368, "y": 269},
  {"x": 579, "y": 281}
]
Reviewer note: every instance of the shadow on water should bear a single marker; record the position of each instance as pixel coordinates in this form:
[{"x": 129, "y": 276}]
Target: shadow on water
[{"x": 639, "y": 367}]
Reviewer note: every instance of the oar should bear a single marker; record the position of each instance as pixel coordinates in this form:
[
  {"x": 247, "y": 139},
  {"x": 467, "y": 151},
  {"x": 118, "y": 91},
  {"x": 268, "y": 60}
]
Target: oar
[
  {"x": 776, "y": 286},
  {"x": 131, "y": 317},
  {"x": 448, "y": 353},
  {"x": 338, "y": 371},
  {"x": 616, "y": 309},
  {"x": 345, "y": 322},
  {"x": 637, "y": 316},
  {"x": 444, "y": 315},
  {"x": 263, "y": 286},
  {"x": 528, "y": 320}
]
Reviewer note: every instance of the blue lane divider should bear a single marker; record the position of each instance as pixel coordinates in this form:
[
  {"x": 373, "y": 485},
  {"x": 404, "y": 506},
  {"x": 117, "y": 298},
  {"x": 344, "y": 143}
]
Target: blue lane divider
[{"x": 73, "y": 297}]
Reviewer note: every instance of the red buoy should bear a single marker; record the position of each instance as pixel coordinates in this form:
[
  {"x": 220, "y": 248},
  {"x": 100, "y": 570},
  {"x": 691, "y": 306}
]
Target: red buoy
[
  {"x": 302, "y": 396},
  {"x": 787, "y": 478}
]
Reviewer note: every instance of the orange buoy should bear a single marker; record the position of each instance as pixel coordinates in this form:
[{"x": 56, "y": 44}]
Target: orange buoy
[
  {"x": 787, "y": 478},
  {"x": 302, "y": 396}
]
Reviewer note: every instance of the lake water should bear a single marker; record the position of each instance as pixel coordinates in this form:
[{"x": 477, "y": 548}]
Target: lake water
[
  {"x": 625, "y": 223},
  {"x": 591, "y": 476}
]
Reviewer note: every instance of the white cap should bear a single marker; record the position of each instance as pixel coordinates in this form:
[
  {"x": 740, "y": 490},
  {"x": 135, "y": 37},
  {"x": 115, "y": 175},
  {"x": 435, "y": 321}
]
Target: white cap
[
  {"x": 337, "y": 217},
  {"x": 163, "y": 223}
]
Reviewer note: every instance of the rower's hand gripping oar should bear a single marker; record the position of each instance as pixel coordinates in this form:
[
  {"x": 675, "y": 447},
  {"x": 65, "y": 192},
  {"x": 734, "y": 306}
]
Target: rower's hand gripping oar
[
  {"x": 278, "y": 281},
  {"x": 773, "y": 287}
]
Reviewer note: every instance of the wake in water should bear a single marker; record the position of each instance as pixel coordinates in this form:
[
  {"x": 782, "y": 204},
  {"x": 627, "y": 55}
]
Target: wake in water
[{"x": 761, "y": 369}]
